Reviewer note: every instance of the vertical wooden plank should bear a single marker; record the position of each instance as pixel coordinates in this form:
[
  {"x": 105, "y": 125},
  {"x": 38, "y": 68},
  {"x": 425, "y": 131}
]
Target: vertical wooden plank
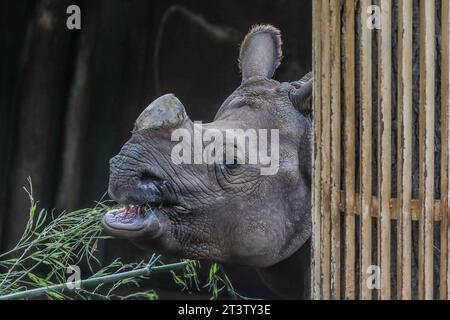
[
  {"x": 427, "y": 105},
  {"x": 316, "y": 225},
  {"x": 421, "y": 270},
  {"x": 325, "y": 150},
  {"x": 404, "y": 190},
  {"x": 366, "y": 150},
  {"x": 385, "y": 152},
  {"x": 378, "y": 35},
  {"x": 445, "y": 51},
  {"x": 349, "y": 83},
  {"x": 399, "y": 221},
  {"x": 335, "y": 149}
]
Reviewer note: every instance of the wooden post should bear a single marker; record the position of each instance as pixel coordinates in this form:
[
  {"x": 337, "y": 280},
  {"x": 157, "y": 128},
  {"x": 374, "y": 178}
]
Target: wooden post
[
  {"x": 316, "y": 223},
  {"x": 366, "y": 150},
  {"x": 349, "y": 84},
  {"x": 325, "y": 150},
  {"x": 445, "y": 83},
  {"x": 405, "y": 125},
  {"x": 385, "y": 153},
  {"x": 427, "y": 91},
  {"x": 335, "y": 149}
]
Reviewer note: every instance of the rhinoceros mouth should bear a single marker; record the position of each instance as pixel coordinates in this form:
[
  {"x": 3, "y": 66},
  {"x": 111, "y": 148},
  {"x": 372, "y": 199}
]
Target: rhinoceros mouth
[
  {"x": 133, "y": 221},
  {"x": 129, "y": 217},
  {"x": 144, "y": 211}
]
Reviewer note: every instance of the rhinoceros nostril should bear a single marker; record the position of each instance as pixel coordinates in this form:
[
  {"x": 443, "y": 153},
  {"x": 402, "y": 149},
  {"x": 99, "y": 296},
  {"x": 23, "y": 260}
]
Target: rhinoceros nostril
[
  {"x": 149, "y": 174},
  {"x": 147, "y": 177}
]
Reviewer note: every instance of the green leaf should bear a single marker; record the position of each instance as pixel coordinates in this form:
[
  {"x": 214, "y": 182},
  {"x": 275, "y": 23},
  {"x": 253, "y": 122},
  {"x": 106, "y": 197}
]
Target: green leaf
[
  {"x": 39, "y": 281},
  {"x": 55, "y": 295}
]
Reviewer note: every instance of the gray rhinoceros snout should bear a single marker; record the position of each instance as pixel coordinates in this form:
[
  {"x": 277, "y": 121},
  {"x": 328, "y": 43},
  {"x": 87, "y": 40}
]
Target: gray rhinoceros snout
[
  {"x": 165, "y": 112},
  {"x": 127, "y": 190},
  {"x": 121, "y": 179},
  {"x": 130, "y": 183}
]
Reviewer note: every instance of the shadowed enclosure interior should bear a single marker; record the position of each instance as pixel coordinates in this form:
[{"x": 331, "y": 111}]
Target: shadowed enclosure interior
[{"x": 381, "y": 153}]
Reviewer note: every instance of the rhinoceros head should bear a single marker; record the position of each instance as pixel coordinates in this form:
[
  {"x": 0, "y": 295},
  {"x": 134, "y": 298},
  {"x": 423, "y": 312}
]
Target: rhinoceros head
[{"x": 253, "y": 207}]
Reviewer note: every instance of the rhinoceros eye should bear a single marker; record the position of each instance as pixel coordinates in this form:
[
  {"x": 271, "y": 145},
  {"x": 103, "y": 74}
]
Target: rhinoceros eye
[{"x": 233, "y": 165}]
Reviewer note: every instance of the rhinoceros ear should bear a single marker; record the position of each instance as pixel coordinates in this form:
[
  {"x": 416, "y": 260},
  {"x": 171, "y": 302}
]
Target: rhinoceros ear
[
  {"x": 260, "y": 53},
  {"x": 301, "y": 93}
]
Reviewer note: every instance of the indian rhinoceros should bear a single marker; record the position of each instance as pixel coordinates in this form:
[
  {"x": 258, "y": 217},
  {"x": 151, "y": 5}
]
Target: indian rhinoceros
[{"x": 225, "y": 212}]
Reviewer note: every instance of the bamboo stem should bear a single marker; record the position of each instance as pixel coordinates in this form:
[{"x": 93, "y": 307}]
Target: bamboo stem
[{"x": 145, "y": 271}]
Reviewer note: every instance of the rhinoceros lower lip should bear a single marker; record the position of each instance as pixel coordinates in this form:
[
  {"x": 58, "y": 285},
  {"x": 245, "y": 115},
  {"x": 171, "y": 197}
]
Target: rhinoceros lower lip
[
  {"x": 132, "y": 221},
  {"x": 129, "y": 217}
]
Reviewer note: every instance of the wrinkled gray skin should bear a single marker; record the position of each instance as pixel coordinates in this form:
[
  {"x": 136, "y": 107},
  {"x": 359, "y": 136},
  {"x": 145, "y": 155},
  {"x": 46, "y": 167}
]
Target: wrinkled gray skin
[{"x": 235, "y": 214}]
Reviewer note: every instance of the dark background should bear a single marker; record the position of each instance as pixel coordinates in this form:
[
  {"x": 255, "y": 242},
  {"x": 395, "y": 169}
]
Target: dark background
[{"x": 68, "y": 98}]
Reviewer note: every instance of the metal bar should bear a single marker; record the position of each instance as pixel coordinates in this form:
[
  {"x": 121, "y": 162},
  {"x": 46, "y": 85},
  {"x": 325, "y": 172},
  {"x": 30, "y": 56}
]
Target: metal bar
[
  {"x": 325, "y": 150},
  {"x": 404, "y": 188},
  {"x": 316, "y": 225},
  {"x": 445, "y": 51},
  {"x": 427, "y": 106},
  {"x": 385, "y": 152},
  {"x": 335, "y": 149},
  {"x": 349, "y": 83},
  {"x": 366, "y": 150}
]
